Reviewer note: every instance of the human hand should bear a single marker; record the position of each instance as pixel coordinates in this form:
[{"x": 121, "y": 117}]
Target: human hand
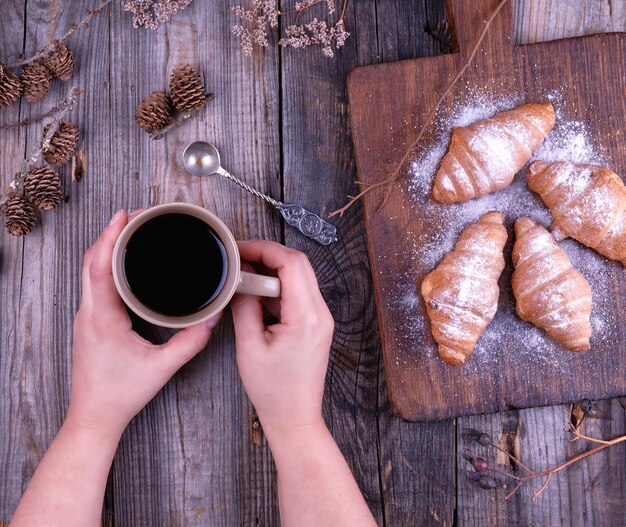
[
  {"x": 115, "y": 372},
  {"x": 283, "y": 365}
]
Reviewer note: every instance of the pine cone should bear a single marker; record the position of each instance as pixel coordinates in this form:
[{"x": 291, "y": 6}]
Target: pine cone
[
  {"x": 36, "y": 79},
  {"x": 187, "y": 88},
  {"x": 155, "y": 112},
  {"x": 10, "y": 87},
  {"x": 43, "y": 187},
  {"x": 20, "y": 216},
  {"x": 63, "y": 144},
  {"x": 60, "y": 61}
]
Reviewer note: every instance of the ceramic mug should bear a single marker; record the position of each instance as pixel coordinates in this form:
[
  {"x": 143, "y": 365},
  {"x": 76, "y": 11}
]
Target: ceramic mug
[{"x": 235, "y": 281}]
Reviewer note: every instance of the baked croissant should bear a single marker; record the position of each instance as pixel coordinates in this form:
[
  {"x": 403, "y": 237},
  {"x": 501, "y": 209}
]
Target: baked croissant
[
  {"x": 549, "y": 292},
  {"x": 461, "y": 293},
  {"x": 485, "y": 156},
  {"x": 587, "y": 202}
]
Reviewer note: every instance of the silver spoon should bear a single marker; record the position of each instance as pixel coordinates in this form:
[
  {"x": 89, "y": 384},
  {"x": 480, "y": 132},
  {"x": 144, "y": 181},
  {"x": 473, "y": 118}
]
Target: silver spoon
[{"x": 203, "y": 159}]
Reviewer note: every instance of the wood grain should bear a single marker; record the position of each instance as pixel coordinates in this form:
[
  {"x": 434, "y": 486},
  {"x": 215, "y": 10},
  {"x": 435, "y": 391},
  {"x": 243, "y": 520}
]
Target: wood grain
[
  {"x": 381, "y": 450},
  {"x": 543, "y": 20},
  {"x": 195, "y": 455},
  {"x": 191, "y": 452},
  {"x": 591, "y": 492},
  {"x": 422, "y": 386}
]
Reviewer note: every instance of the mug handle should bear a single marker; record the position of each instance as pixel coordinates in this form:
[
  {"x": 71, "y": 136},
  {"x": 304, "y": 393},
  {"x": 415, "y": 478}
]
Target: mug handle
[{"x": 258, "y": 285}]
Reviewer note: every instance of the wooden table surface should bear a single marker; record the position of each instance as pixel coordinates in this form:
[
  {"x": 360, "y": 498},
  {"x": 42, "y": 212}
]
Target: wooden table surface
[{"x": 196, "y": 455}]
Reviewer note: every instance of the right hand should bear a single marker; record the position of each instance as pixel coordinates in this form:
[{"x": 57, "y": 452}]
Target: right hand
[{"x": 283, "y": 365}]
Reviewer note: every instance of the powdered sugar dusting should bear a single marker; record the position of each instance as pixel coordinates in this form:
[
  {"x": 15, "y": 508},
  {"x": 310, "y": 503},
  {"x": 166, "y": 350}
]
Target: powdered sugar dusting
[{"x": 570, "y": 141}]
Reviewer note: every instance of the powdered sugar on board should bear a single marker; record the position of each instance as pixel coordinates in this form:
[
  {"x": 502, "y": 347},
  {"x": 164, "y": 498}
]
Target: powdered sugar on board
[{"x": 570, "y": 141}]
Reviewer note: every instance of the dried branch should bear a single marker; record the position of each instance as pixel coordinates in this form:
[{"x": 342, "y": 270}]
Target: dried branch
[
  {"x": 35, "y": 155},
  {"x": 513, "y": 458},
  {"x": 62, "y": 106},
  {"x": 45, "y": 51},
  {"x": 396, "y": 174}
]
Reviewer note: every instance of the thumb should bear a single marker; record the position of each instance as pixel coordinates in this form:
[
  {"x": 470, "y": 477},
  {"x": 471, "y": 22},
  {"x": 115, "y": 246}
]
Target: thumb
[{"x": 187, "y": 343}]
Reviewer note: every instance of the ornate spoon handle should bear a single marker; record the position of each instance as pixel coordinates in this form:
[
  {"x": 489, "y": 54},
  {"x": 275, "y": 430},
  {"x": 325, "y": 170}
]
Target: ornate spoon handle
[{"x": 308, "y": 223}]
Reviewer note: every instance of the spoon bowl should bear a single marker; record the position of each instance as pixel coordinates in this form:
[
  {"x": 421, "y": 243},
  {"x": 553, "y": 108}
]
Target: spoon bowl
[{"x": 201, "y": 159}]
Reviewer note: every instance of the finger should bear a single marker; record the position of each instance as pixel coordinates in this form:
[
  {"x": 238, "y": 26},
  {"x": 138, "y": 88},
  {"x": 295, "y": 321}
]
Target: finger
[
  {"x": 247, "y": 312},
  {"x": 299, "y": 288},
  {"x": 186, "y": 344},
  {"x": 132, "y": 215},
  {"x": 87, "y": 259},
  {"x": 85, "y": 286},
  {"x": 104, "y": 294}
]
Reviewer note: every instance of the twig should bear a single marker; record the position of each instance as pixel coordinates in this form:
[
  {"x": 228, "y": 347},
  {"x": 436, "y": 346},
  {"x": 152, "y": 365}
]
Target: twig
[
  {"x": 513, "y": 458},
  {"x": 550, "y": 472},
  {"x": 481, "y": 465},
  {"x": 73, "y": 27},
  {"x": 543, "y": 487},
  {"x": 503, "y": 473},
  {"x": 60, "y": 107},
  {"x": 397, "y": 171},
  {"x": 578, "y": 435},
  {"x": 517, "y": 486}
]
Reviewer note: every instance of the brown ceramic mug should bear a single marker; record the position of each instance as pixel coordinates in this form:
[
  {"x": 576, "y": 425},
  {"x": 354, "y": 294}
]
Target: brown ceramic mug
[{"x": 233, "y": 280}]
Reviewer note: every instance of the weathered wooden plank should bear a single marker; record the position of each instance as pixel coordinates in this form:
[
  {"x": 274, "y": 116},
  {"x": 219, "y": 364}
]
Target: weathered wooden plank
[
  {"x": 189, "y": 458},
  {"x": 590, "y": 492},
  {"x": 541, "y": 20},
  {"x": 39, "y": 276},
  {"x": 384, "y": 453},
  {"x": 14, "y": 457}
]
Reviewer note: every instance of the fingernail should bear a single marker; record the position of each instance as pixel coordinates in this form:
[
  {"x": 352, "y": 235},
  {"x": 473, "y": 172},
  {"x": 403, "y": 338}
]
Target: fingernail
[
  {"x": 116, "y": 217},
  {"x": 135, "y": 213},
  {"x": 214, "y": 320}
]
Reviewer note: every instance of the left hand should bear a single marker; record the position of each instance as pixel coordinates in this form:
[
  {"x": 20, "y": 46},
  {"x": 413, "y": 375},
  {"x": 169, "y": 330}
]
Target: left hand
[{"x": 115, "y": 371}]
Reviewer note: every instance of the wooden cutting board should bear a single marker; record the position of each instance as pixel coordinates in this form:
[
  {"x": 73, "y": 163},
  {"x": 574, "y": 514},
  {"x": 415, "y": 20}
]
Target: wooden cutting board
[{"x": 514, "y": 365}]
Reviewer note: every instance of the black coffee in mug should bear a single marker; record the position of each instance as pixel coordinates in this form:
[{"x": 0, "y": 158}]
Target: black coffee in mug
[{"x": 175, "y": 264}]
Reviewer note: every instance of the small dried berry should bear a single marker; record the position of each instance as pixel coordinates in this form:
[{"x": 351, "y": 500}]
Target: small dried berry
[
  {"x": 480, "y": 464},
  {"x": 473, "y": 476},
  {"x": 485, "y": 482},
  {"x": 469, "y": 434},
  {"x": 485, "y": 440},
  {"x": 468, "y": 455}
]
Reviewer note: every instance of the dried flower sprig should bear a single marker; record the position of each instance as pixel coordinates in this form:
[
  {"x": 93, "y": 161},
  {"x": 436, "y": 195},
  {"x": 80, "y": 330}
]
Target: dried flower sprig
[
  {"x": 481, "y": 466},
  {"x": 263, "y": 18},
  {"x": 49, "y": 47},
  {"x": 397, "y": 172},
  {"x": 152, "y": 13}
]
